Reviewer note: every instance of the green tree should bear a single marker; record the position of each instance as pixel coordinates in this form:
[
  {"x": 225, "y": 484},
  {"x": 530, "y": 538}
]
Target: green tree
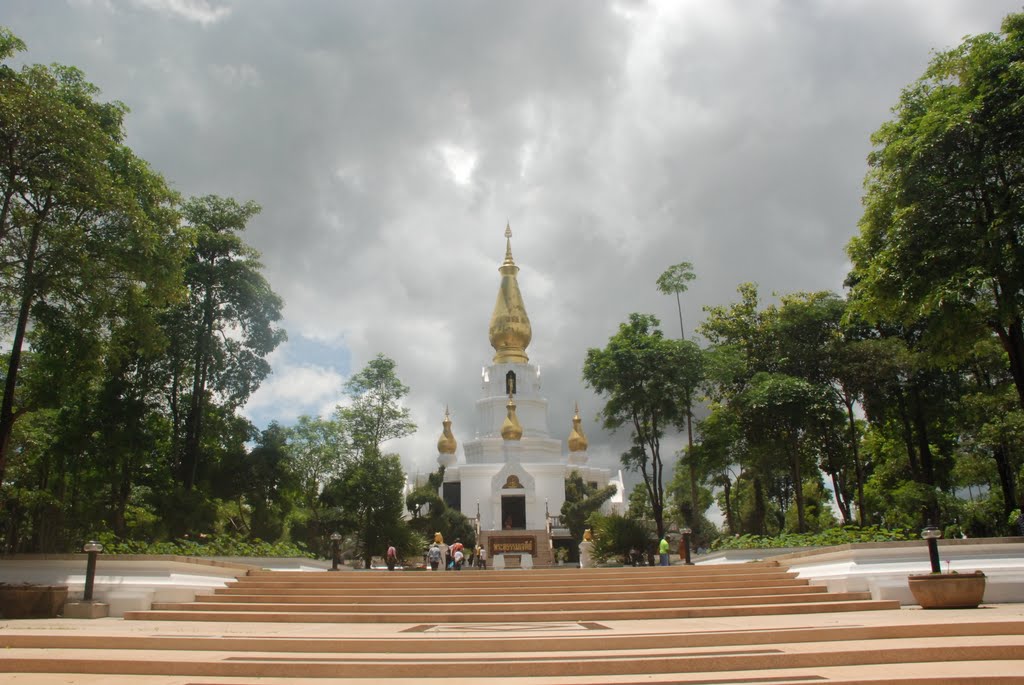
[
  {"x": 741, "y": 347},
  {"x": 617, "y": 536},
  {"x": 316, "y": 447},
  {"x": 368, "y": 497},
  {"x": 431, "y": 515},
  {"x": 85, "y": 226},
  {"x": 262, "y": 483},
  {"x": 221, "y": 335},
  {"x": 375, "y": 413},
  {"x": 940, "y": 238},
  {"x": 368, "y": 491},
  {"x": 645, "y": 378},
  {"x": 581, "y": 500},
  {"x": 673, "y": 281}
]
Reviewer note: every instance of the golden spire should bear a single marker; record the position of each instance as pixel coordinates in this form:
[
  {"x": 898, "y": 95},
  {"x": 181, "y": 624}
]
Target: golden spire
[
  {"x": 510, "y": 429},
  {"x": 510, "y": 331},
  {"x": 446, "y": 443},
  {"x": 577, "y": 440}
]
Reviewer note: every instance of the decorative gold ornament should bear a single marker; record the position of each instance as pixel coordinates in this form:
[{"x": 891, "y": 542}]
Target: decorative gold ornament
[
  {"x": 446, "y": 443},
  {"x": 510, "y": 428},
  {"x": 510, "y": 331},
  {"x": 512, "y": 483},
  {"x": 577, "y": 440}
]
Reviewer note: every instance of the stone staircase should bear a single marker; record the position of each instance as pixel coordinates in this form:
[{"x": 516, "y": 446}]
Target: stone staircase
[
  {"x": 750, "y": 623},
  {"x": 538, "y": 595}
]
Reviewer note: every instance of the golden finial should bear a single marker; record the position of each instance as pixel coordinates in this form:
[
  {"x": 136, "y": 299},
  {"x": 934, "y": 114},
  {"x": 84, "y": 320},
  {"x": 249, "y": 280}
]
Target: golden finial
[
  {"x": 510, "y": 429},
  {"x": 510, "y": 331},
  {"x": 446, "y": 443},
  {"x": 577, "y": 440},
  {"x": 508, "y": 246}
]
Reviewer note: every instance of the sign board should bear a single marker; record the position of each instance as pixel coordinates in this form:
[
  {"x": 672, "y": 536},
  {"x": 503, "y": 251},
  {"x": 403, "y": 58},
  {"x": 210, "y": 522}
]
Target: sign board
[{"x": 512, "y": 544}]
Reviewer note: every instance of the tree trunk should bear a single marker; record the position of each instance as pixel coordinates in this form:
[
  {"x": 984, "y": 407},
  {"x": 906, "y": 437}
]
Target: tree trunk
[
  {"x": 7, "y": 412},
  {"x": 921, "y": 433},
  {"x": 760, "y": 511},
  {"x": 1012, "y": 340},
  {"x": 730, "y": 520},
  {"x": 859, "y": 467},
  {"x": 694, "y": 505},
  {"x": 798, "y": 486},
  {"x": 1006, "y": 479},
  {"x": 838, "y": 488},
  {"x": 908, "y": 439},
  {"x": 194, "y": 421}
]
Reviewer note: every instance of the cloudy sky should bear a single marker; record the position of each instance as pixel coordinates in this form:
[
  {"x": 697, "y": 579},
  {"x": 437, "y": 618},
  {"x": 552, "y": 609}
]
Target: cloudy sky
[{"x": 389, "y": 142}]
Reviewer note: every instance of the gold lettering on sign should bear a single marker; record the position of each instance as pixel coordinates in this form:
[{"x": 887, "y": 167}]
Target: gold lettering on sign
[{"x": 520, "y": 544}]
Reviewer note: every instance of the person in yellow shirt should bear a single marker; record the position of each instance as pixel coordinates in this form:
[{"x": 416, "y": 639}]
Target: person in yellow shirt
[{"x": 663, "y": 550}]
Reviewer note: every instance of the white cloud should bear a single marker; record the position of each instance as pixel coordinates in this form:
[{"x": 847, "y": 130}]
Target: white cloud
[
  {"x": 292, "y": 391},
  {"x": 199, "y": 11},
  {"x": 460, "y": 161}
]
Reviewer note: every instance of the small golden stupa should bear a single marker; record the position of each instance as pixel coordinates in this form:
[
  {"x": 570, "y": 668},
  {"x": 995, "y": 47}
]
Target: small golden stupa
[
  {"x": 446, "y": 443},
  {"x": 577, "y": 440},
  {"x": 510, "y": 429}
]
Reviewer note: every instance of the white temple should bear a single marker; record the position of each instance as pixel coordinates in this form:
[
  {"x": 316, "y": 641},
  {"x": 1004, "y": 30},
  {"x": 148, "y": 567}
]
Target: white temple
[{"x": 511, "y": 477}]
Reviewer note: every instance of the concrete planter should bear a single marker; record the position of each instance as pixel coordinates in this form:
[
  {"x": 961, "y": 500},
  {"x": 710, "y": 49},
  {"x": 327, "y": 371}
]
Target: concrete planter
[
  {"x": 32, "y": 601},
  {"x": 948, "y": 590}
]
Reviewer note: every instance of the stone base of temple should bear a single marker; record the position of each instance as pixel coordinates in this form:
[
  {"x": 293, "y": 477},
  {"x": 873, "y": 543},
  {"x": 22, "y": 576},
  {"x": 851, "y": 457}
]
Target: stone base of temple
[{"x": 514, "y": 545}]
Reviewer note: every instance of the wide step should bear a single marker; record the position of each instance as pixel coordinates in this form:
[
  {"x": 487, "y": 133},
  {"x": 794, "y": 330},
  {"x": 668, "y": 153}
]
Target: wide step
[
  {"x": 523, "y": 596},
  {"x": 800, "y": 655}
]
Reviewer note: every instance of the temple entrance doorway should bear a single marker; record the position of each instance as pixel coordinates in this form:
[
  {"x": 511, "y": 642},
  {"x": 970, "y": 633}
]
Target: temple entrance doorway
[{"x": 513, "y": 512}]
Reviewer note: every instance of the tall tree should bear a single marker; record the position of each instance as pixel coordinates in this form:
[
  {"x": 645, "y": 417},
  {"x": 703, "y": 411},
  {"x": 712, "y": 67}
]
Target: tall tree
[
  {"x": 317, "y": 448},
  {"x": 674, "y": 281},
  {"x": 84, "y": 224},
  {"x": 940, "y": 238},
  {"x": 645, "y": 378},
  {"x": 368, "y": 491},
  {"x": 223, "y": 333}
]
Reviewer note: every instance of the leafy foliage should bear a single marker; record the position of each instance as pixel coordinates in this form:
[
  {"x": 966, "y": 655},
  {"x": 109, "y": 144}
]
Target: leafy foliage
[
  {"x": 615, "y": 537},
  {"x": 205, "y": 546},
  {"x": 647, "y": 380},
  {"x": 836, "y": 536}
]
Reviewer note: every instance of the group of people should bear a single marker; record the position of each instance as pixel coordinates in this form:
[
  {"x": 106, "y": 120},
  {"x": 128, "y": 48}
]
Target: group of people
[{"x": 455, "y": 557}]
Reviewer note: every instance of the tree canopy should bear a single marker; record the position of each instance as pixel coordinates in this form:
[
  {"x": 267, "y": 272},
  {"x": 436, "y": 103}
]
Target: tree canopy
[
  {"x": 645, "y": 378},
  {"x": 940, "y": 239}
]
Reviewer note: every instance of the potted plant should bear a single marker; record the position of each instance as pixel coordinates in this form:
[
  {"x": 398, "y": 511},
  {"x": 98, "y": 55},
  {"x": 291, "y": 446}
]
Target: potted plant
[
  {"x": 938, "y": 590},
  {"x": 32, "y": 601},
  {"x": 948, "y": 590},
  {"x": 561, "y": 555}
]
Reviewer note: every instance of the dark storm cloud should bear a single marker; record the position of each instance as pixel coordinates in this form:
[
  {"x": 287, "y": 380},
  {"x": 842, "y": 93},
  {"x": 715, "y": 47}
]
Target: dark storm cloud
[{"x": 389, "y": 142}]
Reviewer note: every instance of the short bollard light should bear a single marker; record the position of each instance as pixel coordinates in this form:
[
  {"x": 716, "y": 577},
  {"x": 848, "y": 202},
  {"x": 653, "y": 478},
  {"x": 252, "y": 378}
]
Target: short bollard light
[
  {"x": 92, "y": 548},
  {"x": 686, "y": 546},
  {"x": 335, "y": 539},
  {"x": 932, "y": 535}
]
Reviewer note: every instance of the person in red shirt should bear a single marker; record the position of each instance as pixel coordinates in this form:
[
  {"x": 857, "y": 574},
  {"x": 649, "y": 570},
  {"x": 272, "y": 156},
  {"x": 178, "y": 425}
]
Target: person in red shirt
[
  {"x": 458, "y": 558},
  {"x": 392, "y": 557}
]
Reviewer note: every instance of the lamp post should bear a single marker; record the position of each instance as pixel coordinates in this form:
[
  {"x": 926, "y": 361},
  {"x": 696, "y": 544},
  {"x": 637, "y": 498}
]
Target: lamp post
[
  {"x": 686, "y": 546},
  {"x": 92, "y": 548},
  {"x": 932, "y": 535},
  {"x": 335, "y": 539}
]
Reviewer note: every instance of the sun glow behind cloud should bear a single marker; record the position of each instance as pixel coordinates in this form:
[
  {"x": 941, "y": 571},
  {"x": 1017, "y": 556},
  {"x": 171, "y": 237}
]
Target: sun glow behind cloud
[{"x": 461, "y": 162}]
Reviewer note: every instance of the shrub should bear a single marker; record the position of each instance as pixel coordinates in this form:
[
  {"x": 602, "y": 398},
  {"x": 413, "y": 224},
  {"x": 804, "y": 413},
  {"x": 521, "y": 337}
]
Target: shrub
[
  {"x": 205, "y": 546},
  {"x": 827, "y": 538}
]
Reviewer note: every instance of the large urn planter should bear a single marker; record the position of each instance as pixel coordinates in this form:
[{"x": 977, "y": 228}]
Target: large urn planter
[
  {"x": 32, "y": 601},
  {"x": 948, "y": 590}
]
